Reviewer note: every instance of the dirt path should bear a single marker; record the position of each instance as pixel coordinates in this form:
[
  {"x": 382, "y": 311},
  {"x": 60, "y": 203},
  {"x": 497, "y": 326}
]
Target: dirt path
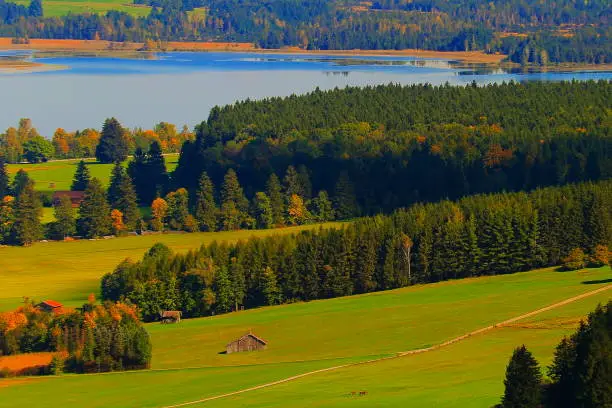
[{"x": 400, "y": 354}]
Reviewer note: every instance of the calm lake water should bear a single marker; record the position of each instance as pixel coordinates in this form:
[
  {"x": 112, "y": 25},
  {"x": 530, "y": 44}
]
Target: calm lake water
[{"x": 182, "y": 87}]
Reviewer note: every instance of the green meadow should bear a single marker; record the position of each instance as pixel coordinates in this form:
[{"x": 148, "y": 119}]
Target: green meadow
[
  {"x": 188, "y": 363},
  {"x": 58, "y": 174},
  {"x": 69, "y": 271},
  {"x": 56, "y": 8}
]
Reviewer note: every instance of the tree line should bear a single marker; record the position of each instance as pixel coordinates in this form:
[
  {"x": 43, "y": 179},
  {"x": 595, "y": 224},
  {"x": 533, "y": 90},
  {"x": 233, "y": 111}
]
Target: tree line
[
  {"x": 383, "y": 24},
  {"x": 93, "y": 338},
  {"x": 404, "y": 144},
  {"x": 479, "y": 235},
  {"x": 579, "y": 375},
  {"x": 25, "y": 143}
]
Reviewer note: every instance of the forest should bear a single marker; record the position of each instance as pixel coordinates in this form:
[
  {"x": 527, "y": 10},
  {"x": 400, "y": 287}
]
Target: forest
[
  {"x": 93, "y": 338},
  {"x": 547, "y": 32},
  {"x": 478, "y": 235}
]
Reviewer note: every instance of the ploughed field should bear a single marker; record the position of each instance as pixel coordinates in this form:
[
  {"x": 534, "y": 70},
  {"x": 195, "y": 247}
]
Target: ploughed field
[
  {"x": 188, "y": 364},
  {"x": 69, "y": 271}
]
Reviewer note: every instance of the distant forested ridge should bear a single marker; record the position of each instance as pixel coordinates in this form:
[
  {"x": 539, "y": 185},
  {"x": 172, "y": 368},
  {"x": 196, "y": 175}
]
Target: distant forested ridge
[
  {"x": 560, "y": 31},
  {"x": 397, "y": 145},
  {"x": 479, "y": 235}
]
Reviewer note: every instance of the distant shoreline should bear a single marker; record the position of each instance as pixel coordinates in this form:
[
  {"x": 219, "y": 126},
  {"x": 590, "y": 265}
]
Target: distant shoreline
[{"x": 130, "y": 49}]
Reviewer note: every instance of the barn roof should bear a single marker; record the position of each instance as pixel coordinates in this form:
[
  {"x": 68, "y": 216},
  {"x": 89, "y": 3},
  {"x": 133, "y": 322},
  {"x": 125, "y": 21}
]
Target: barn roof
[
  {"x": 52, "y": 304},
  {"x": 259, "y": 339},
  {"x": 171, "y": 313}
]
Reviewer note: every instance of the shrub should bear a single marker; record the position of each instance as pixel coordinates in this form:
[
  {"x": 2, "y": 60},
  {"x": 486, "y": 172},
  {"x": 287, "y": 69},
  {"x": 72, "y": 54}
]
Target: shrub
[
  {"x": 601, "y": 256},
  {"x": 575, "y": 260}
]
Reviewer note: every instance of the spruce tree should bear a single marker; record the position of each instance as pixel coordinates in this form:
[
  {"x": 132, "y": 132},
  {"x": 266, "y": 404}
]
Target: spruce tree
[
  {"x": 321, "y": 207},
  {"x": 112, "y": 146},
  {"x": 292, "y": 182},
  {"x": 137, "y": 169},
  {"x": 178, "y": 209},
  {"x": 27, "y": 227},
  {"x": 263, "y": 211},
  {"x": 94, "y": 213},
  {"x": 156, "y": 171},
  {"x": 126, "y": 202},
  {"x": 232, "y": 192},
  {"x": 64, "y": 216},
  {"x": 205, "y": 206},
  {"x": 81, "y": 177},
  {"x": 236, "y": 276},
  {"x": 305, "y": 184},
  {"x": 275, "y": 194},
  {"x": 523, "y": 381},
  {"x": 345, "y": 201},
  {"x": 270, "y": 290},
  {"x": 4, "y": 179},
  {"x": 223, "y": 291},
  {"x": 113, "y": 194}
]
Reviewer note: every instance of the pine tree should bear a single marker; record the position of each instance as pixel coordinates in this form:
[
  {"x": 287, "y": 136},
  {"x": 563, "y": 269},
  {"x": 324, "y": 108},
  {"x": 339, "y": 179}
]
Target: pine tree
[
  {"x": 205, "y": 207},
  {"x": 156, "y": 171},
  {"x": 113, "y": 194},
  {"x": 35, "y": 9},
  {"x": 4, "y": 179},
  {"x": 232, "y": 192},
  {"x": 127, "y": 203},
  {"x": 270, "y": 289},
  {"x": 262, "y": 209},
  {"x": 137, "y": 170},
  {"x": 81, "y": 177},
  {"x": 345, "y": 201},
  {"x": 236, "y": 275},
  {"x": 523, "y": 381},
  {"x": 64, "y": 216},
  {"x": 112, "y": 146},
  {"x": 94, "y": 212},
  {"x": 27, "y": 227},
  {"x": 305, "y": 184},
  {"x": 321, "y": 207},
  {"x": 223, "y": 291},
  {"x": 275, "y": 193}
]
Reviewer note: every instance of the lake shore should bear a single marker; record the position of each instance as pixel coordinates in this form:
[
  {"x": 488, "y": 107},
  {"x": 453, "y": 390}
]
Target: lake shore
[{"x": 20, "y": 67}]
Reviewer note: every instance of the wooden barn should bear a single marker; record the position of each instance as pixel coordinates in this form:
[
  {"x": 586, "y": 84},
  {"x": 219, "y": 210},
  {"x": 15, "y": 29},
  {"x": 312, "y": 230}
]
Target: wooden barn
[
  {"x": 170, "y": 316},
  {"x": 76, "y": 197},
  {"x": 50, "y": 306},
  {"x": 248, "y": 342}
]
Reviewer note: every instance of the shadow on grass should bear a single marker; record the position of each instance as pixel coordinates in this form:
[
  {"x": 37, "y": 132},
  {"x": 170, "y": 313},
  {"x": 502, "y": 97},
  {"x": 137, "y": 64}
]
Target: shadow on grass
[{"x": 596, "y": 282}]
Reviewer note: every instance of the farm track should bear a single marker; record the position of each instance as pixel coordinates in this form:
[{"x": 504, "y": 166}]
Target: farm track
[{"x": 400, "y": 354}]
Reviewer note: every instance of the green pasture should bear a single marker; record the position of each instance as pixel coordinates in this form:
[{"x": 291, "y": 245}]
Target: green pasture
[
  {"x": 69, "y": 271},
  {"x": 56, "y": 8},
  {"x": 58, "y": 174},
  {"x": 188, "y": 364}
]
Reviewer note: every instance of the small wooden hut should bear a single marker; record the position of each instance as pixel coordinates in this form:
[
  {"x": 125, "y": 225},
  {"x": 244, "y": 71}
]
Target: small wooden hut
[
  {"x": 170, "y": 316},
  {"x": 50, "y": 306},
  {"x": 248, "y": 342}
]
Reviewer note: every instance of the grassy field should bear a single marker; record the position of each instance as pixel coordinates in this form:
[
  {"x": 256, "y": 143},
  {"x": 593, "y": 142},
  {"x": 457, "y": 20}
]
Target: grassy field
[
  {"x": 187, "y": 364},
  {"x": 69, "y": 271},
  {"x": 55, "y": 8},
  {"x": 58, "y": 175}
]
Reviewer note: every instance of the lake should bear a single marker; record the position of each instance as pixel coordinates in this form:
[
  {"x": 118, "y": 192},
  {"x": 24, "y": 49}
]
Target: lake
[{"x": 181, "y": 87}]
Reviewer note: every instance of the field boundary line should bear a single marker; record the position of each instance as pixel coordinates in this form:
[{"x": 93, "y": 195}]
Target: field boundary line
[{"x": 399, "y": 354}]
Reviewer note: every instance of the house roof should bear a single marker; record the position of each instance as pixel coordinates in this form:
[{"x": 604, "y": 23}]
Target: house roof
[
  {"x": 52, "y": 304},
  {"x": 71, "y": 194},
  {"x": 259, "y": 339}
]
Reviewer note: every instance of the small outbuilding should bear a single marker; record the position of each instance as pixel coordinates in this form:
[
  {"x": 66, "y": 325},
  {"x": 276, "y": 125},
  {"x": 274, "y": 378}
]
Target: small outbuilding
[
  {"x": 248, "y": 342},
  {"x": 170, "y": 316},
  {"x": 50, "y": 306},
  {"x": 76, "y": 197}
]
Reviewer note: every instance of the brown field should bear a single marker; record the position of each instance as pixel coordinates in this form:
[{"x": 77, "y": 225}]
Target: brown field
[
  {"x": 20, "y": 362},
  {"x": 99, "y": 45}
]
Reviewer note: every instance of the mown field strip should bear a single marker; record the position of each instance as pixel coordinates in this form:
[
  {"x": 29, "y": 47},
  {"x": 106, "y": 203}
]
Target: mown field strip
[{"x": 399, "y": 354}]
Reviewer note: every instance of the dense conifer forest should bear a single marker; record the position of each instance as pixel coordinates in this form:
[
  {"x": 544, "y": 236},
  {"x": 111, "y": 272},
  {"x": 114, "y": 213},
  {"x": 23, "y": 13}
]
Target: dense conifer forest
[
  {"x": 529, "y": 31},
  {"x": 478, "y": 235}
]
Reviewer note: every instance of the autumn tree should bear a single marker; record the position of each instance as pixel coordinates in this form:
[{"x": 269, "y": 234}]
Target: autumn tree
[
  {"x": 159, "y": 209},
  {"x": 94, "y": 212},
  {"x": 205, "y": 206},
  {"x": 112, "y": 146},
  {"x": 7, "y": 217},
  {"x": 523, "y": 381},
  {"x": 81, "y": 177},
  {"x": 117, "y": 222},
  {"x": 297, "y": 213},
  {"x": 576, "y": 259},
  {"x": 27, "y": 227}
]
